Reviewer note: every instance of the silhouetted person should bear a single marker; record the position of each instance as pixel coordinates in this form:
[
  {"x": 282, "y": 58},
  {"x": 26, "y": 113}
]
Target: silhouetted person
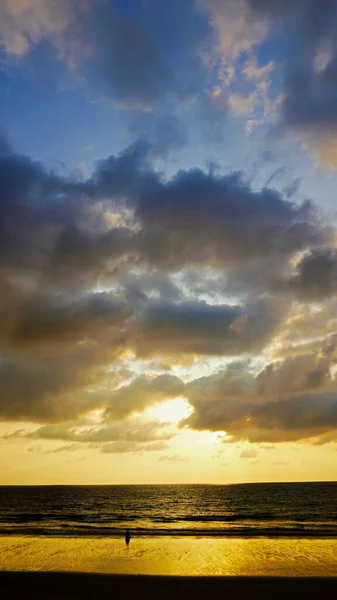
[{"x": 127, "y": 537}]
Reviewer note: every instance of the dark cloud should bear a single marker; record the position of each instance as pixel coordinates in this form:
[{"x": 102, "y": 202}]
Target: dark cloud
[
  {"x": 196, "y": 327},
  {"x": 51, "y": 319},
  {"x": 213, "y": 220},
  {"x": 61, "y": 231},
  {"x": 308, "y": 413},
  {"x": 315, "y": 277}
]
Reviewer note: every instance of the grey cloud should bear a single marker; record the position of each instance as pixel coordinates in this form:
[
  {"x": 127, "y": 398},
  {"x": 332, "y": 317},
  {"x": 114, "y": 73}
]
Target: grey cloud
[
  {"x": 309, "y": 413},
  {"x": 318, "y": 18},
  {"x": 310, "y": 94},
  {"x": 155, "y": 283},
  {"x": 51, "y": 319},
  {"x": 59, "y": 231},
  {"x": 196, "y": 327},
  {"x": 60, "y": 238},
  {"x": 316, "y": 276},
  {"x": 208, "y": 220},
  {"x": 292, "y": 400},
  {"x": 39, "y": 391},
  {"x": 287, "y": 401},
  {"x": 56, "y": 229},
  {"x": 49, "y": 387}
]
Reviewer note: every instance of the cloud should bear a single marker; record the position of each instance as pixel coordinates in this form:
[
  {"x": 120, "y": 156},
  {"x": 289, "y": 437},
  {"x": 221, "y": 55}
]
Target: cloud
[
  {"x": 26, "y": 22},
  {"x": 119, "y": 54},
  {"x": 141, "y": 393},
  {"x": 37, "y": 448},
  {"x": 131, "y": 435},
  {"x": 122, "y": 447},
  {"x": 315, "y": 276},
  {"x": 172, "y": 458},
  {"x": 129, "y": 229},
  {"x": 287, "y": 401},
  {"x": 236, "y": 32},
  {"x": 127, "y": 58},
  {"x": 42, "y": 391},
  {"x": 127, "y": 214},
  {"x": 233, "y": 226},
  {"x": 44, "y": 319},
  {"x": 249, "y": 453},
  {"x": 67, "y": 448},
  {"x": 309, "y": 91},
  {"x": 129, "y": 430},
  {"x": 197, "y": 327}
]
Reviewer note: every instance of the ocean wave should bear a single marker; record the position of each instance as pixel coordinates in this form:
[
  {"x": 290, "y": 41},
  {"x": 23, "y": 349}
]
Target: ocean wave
[
  {"x": 69, "y": 530},
  {"x": 72, "y": 519},
  {"x": 271, "y": 510}
]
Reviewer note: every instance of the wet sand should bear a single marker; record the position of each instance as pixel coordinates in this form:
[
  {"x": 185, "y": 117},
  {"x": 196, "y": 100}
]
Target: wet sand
[
  {"x": 172, "y": 556},
  {"x": 57, "y": 586}
]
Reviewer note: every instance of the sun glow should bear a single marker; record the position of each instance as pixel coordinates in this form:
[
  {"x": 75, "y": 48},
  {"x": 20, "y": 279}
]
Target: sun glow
[{"x": 171, "y": 411}]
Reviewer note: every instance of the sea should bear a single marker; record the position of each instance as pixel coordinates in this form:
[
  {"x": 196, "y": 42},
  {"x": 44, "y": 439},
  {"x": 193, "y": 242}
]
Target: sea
[{"x": 303, "y": 510}]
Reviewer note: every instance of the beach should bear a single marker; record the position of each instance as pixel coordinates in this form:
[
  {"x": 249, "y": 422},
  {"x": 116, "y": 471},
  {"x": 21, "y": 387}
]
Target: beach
[
  {"x": 55, "y": 568},
  {"x": 184, "y": 556}
]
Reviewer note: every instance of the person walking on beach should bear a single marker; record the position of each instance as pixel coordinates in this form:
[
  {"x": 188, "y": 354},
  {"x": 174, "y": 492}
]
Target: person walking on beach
[{"x": 127, "y": 537}]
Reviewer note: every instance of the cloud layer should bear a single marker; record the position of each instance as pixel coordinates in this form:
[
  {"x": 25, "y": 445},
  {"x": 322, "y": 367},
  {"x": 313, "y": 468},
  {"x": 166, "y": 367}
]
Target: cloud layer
[
  {"x": 141, "y": 261},
  {"x": 64, "y": 344}
]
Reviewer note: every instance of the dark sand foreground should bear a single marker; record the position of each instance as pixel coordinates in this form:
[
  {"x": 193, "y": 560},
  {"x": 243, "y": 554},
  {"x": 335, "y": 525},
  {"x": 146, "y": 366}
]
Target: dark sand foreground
[{"x": 57, "y": 586}]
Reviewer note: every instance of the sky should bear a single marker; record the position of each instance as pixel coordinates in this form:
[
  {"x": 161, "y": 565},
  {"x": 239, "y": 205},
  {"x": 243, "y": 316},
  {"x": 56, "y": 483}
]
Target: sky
[{"x": 168, "y": 247}]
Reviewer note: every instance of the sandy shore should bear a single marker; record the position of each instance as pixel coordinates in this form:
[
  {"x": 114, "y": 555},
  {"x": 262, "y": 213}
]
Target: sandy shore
[
  {"x": 168, "y": 556},
  {"x": 57, "y": 586}
]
